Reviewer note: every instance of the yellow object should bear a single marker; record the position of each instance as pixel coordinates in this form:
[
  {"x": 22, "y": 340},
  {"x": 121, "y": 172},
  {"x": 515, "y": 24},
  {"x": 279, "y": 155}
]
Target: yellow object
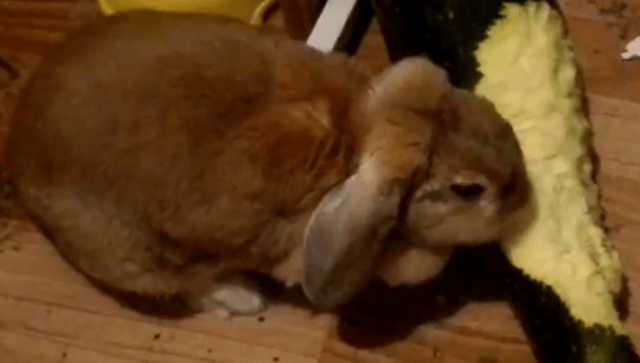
[
  {"x": 251, "y": 11},
  {"x": 530, "y": 74}
]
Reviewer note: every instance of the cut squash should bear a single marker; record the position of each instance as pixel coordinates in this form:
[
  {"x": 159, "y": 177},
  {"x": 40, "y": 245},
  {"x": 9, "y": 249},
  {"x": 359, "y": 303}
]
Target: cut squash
[{"x": 251, "y": 11}]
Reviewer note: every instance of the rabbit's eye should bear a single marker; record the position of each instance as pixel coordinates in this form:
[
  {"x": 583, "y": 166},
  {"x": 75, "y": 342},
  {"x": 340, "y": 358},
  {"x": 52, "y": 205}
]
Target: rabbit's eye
[{"x": 468, "y": 192}]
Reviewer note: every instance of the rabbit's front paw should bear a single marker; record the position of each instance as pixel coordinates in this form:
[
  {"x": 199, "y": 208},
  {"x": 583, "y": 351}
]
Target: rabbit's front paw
[{"x": 228, "y": 300}]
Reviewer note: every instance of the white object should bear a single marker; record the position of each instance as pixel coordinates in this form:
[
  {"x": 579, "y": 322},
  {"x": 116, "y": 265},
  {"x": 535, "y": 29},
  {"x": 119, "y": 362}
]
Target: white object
[
  {"x": 330, "y": 24},
  {"x": 632, "y": 50}
]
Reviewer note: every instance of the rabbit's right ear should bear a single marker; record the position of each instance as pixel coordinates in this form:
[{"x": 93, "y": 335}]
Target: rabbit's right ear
[{"x": 344, "y": 237}]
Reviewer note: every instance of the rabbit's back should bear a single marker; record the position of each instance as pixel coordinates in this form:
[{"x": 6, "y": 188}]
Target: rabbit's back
[{"x": 206, "y": 128}]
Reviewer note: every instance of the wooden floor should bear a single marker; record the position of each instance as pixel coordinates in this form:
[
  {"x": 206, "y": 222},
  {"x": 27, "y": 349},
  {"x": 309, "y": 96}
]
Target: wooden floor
[{"x": 49, "y": 314}]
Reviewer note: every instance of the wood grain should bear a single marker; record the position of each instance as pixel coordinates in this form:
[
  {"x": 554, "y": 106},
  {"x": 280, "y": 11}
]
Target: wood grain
[{"x": 50, "y": 314}]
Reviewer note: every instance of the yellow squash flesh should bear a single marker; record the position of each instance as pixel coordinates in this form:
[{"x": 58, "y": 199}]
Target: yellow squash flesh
[
  {"x": 530, "y": 73},
  {"x": 251, "y": 11}
]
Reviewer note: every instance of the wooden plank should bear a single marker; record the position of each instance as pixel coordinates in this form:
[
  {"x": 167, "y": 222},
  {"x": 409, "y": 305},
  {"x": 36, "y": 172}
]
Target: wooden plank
[
  {"x": 54, "y": 25},
  {"x": 599, "y": 40},
  {"x": 32, "y": 271},
  {"x": 51, "y": 1},
  {"x": 436, "y": 343},
  {"x": 28, "y": 40},
  {"x": 299, "y": 16},
  {"x": 132, "y": 339},
  {"x": 39, "y": 9},
  {"x": 31, "y": 348},
  {"x": 616, "y": 126}
]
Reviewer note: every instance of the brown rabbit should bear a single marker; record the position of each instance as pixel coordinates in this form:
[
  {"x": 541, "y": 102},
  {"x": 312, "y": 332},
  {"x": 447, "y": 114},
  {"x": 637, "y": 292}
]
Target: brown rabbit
[{"x": 165, "y": 154}]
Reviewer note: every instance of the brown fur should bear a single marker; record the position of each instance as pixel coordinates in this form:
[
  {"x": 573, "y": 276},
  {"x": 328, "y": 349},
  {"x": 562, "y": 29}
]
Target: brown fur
[{"x": 162, "y": 152}]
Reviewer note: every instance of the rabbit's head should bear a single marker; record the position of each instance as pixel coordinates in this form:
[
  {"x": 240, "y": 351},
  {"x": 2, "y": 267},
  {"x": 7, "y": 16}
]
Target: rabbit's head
[
  {"x": 476, "y": 189},
  {"x": 436, "y": 163}
]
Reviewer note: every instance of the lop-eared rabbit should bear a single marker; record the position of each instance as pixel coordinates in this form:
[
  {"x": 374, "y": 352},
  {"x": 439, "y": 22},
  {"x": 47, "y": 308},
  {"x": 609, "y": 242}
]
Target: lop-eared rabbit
[{"x": 167, "y": 154}]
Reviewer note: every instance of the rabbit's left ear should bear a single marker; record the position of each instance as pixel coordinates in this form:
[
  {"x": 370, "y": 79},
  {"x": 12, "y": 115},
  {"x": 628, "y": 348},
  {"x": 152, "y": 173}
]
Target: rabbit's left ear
[{"x": 344, "y": 237}]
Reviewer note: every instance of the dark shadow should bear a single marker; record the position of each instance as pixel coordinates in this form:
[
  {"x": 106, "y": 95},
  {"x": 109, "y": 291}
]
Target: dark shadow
[
  {"x": 623, "y": 299},
  {"x": 381, "y": 314},
  {"x": 167, "y": 307},
  {"x": 11, "y": 71}
]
